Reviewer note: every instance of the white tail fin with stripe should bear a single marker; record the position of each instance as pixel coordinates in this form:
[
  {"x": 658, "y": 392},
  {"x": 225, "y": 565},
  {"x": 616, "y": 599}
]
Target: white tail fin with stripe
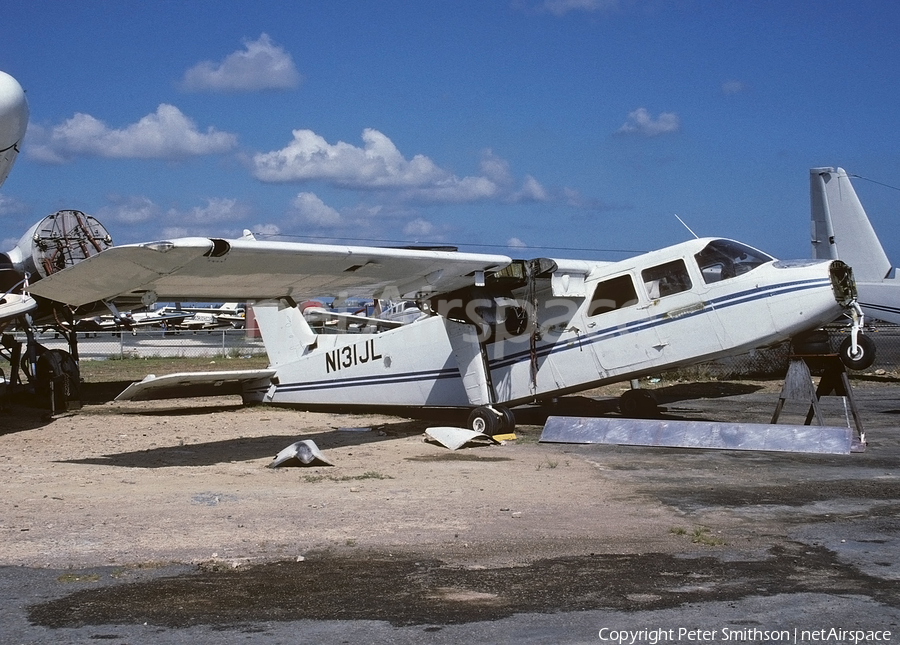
[{"x": 840, "y": 227}]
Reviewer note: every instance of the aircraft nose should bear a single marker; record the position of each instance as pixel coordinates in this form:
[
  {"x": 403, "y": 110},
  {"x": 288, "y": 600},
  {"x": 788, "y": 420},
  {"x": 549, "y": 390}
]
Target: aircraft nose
[
  {"x": 842, "y": 283},
  {"x": 13, "y": 111}
]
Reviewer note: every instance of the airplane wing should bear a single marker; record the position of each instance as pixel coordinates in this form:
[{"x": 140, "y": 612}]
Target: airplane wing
[
  {"x": 248, "y": 269},
  {"x": 190, "y": 384}
]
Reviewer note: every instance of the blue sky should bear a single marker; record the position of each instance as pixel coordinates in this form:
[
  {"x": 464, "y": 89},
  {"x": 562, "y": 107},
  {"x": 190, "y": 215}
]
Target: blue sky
[{"x": 563, "y": 128}]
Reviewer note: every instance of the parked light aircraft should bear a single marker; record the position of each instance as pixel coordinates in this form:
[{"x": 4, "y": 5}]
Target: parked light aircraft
[
  {"x": 230, "y": 314},
  {"x": 499, "y": 332},
  {"x": 163, "y": 317},
  {"x": 841, "y": 230}
]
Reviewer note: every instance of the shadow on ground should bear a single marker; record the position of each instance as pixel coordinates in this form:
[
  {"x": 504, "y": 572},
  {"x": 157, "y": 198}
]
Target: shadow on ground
[{"x": 247, "y": 448}]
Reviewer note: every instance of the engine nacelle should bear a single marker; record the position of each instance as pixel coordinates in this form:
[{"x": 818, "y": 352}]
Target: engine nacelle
[{"x": 54, "y": 243}]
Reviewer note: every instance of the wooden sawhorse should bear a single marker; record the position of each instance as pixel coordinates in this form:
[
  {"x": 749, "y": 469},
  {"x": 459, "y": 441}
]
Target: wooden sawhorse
[{"x": 798, "y": 386}]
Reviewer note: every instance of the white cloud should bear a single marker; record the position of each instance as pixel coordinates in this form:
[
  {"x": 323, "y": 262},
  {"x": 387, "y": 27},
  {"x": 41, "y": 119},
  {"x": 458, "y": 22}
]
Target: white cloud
[
  {"x": 215, "y": 211},
  {"x": 378, "y": 165},
  {"x": 210, "y": 218},
  {"x": 497, "y": 171},
  {"x": 129, "y": 210},
  {"x": 164, "y": 134},
  {"x": 733, "y": 87},
  {"x": 261, "y": 65},
  {"x": 561, "y": 7},
  {"x": 495, "y": 168},
  {"x": 9, "y": 205},
  {"x": 640, "y": 122},
  {"x": 314, "y": 211},
  {"x": 531, "y": 191},
  {"x": 174, "y": 232},
  {"x": 266, "y": 230},
  {"x": 516, "y": 243},
  {"x": 418, "y": 228}
]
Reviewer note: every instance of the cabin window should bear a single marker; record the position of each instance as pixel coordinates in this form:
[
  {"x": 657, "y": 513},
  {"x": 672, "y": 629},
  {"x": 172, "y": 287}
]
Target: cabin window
[
  {"x": 613, "y": 294},
  {"x": 666, "y": 279},
  {"x": 724, "y": 259}
]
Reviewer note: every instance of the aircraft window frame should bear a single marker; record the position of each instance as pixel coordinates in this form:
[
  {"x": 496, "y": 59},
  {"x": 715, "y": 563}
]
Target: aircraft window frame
[
  {"x": 617, "y": 293},
  {"x": 725, "y": 259},
  {"x": 666, "y": 279}
]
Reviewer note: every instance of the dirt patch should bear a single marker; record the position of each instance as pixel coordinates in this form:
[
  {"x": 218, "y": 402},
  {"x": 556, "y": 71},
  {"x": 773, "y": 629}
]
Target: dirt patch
[{"x": 404, "y": 591}]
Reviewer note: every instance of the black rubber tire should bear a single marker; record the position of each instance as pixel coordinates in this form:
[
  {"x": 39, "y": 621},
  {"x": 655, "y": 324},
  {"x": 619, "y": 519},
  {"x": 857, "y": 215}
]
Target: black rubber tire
[
  {"x": 865, "y": 353},
  {"x": 57, "y": 366},
  {"x": 638, "y": 404},
  {"x": 507, "y": 420},
  {"x": 484, "y": 420}
]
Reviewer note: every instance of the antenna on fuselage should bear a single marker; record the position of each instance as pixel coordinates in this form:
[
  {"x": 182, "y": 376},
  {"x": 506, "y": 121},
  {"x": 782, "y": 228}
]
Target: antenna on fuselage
[{"x": 686, "y": 226}]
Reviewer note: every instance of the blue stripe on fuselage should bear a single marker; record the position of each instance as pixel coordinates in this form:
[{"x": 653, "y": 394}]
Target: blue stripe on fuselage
[
  {"x": 377, "y": 379},
  {"x": 596, "y": 336},
  {"x": 719, "y": 303}
]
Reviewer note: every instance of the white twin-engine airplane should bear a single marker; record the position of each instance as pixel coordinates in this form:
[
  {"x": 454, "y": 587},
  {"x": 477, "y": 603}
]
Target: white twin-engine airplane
[
  {"x": 499, "y": 332},
  {"x": 56, "y": 241},
  {"x": 14, "y": 300}
]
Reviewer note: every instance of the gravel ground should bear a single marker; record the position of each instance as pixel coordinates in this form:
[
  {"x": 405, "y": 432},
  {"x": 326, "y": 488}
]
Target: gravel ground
[{"x": 122, "y": 517}]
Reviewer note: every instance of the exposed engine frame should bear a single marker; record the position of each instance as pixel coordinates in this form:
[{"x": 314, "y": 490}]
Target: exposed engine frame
[{"x": 54, "y": 243}]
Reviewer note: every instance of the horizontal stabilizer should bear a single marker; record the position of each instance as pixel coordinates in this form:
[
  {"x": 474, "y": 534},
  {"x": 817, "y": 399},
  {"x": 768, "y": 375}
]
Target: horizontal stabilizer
[
  {"x": 701, "y": 434},
  {"x": 193, "y": 384}
]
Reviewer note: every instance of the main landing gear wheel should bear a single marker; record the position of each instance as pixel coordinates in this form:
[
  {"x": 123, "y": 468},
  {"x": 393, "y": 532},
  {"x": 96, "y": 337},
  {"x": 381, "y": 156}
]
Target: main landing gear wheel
[
  {"x": 865, "y": 353},
  {"x": 638, "y": 404},
  {"x": 492, "y": 419}
]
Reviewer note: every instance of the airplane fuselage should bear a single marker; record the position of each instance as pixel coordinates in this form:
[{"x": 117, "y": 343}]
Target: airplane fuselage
[{"x": 595, "y": 323}]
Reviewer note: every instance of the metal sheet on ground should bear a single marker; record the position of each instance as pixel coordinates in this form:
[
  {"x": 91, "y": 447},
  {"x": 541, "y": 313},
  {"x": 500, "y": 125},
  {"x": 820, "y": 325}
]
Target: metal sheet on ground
[{"x": 701, "y": 434}]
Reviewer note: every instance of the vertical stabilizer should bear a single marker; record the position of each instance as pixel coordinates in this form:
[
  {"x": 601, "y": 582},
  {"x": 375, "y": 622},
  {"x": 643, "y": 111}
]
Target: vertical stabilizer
[
  {"x": 840, "y": 227},
  {"x": 285, "y": 332}
]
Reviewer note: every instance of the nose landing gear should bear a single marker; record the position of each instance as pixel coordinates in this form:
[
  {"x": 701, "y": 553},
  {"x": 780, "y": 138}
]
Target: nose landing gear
[{"x": 857, "y": 351}]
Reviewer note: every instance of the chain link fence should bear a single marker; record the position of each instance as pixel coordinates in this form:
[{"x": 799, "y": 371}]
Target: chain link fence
[
  {"x": 772, "y": 362},
  {"x": 157, "y": 343},
  {"x": 150, "y": 343}
]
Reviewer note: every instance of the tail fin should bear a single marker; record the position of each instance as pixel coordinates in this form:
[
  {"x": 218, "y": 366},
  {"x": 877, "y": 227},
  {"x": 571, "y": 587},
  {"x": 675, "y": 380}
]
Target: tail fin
[
  {"x": 285, "y": 332},
  {"x": 840, "y": 227}
]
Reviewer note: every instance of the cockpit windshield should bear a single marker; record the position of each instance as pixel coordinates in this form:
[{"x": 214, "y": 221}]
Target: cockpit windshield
[{"x": 724, "y": 259}]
